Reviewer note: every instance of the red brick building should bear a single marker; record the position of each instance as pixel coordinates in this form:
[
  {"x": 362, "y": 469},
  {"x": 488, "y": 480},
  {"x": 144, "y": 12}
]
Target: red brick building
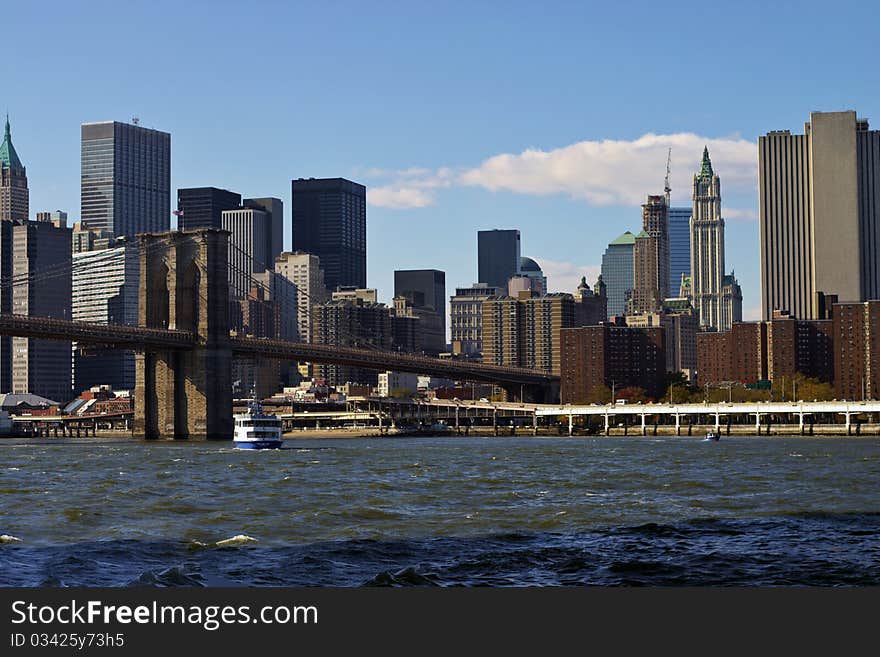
[
  {"x": 776, "y": 349},
  {"x": 609, "y": 355},
  {"x": 856, "y": 332}
]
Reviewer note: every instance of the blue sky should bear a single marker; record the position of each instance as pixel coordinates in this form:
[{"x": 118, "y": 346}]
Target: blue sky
[{"x": 553, "y": 118}]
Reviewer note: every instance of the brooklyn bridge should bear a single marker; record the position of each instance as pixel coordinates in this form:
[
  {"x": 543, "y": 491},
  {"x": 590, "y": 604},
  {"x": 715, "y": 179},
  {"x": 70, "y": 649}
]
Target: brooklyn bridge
[{"x": 184, "y": 349}]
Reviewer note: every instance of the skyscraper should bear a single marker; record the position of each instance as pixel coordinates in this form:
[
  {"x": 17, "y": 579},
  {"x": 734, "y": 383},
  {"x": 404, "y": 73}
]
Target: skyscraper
[
  {"x": 41, "y": 367},
  {"x": 13, "y": 182},
  {"x": 819, "y": 198},
  {"x": 425, "y": 289},
  {"x": 617, "y": 272},
  {"x": 651, "y": 259},
  {"x": 274, "y": 208},
  {"x": 330, "y": 220},
  {"x": 707, "y": 246},
  {"x": 105, "y": 291},
  {"x": 203, "y": 206},
  {"x": 13, "y": 210},
  {"x": 306, "y": 277},
  {"x": 679, "y": 247},
  {"x": 126, "y": 178},
  {"x": 498, "y": 256},
  {"x": 249, "y": 248}
]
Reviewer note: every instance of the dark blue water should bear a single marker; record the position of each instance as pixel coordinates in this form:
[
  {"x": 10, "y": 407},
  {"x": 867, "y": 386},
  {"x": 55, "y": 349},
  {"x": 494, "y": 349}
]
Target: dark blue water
[{"x": 442, "y": 511}]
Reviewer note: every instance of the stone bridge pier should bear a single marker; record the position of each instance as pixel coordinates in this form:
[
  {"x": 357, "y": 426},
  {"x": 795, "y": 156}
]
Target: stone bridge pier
[{"x": 185, "y": 393}]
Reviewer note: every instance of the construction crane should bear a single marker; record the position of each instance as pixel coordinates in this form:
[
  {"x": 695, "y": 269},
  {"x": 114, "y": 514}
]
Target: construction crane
[{"x": 667, "y": 189}]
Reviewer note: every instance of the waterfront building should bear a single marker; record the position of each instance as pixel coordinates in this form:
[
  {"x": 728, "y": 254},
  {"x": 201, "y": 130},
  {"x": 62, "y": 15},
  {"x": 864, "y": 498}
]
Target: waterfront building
[
  {"x": 498, "y": 256},
  {"x": 617, "y": 272},
  {"x": 612, "y": 356},
  {"x": 41, "y": 367},
  {"x": 819, "y": 200},
  {"x": 250, "y": 247},
  {"x": 856, "y": 339},
  {"x": 679, "y": 246},
  {"x": 104, "y": 290},
  {"x": 202, "y": 207},
  {"x": 126, "y": 178},
  {"x": 524, "y": 331},
  {"x": 775, "y": 350},
  {"x": 330, "y": 220},
  {"x": 425, "y": 290},
  {"x": 400, "y": 383},
  {"x": 466, "y": 318},
  {"x": 14, "y": 195}
]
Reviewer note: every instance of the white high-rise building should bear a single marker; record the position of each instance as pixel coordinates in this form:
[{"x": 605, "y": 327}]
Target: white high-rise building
[
  {"x": 303, "y": 271},
  {"x": 707, "y": 246}
]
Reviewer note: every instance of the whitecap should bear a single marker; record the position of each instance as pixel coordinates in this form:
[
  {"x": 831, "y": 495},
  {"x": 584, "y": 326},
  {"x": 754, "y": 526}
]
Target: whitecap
[
  {"x": 6, "y": 538},
  {"x": 13, "y": 469},
  {"x": 239, "y": 539}
]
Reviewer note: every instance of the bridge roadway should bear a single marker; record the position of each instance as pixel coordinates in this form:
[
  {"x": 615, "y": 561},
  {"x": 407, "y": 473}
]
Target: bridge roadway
[
  {"x": 152, "y": 339},
  {"x": 800, "y": 410}
]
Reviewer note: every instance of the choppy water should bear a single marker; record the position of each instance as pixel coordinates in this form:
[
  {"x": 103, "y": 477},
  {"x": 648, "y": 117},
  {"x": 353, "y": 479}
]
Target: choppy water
[{"x": 446, "y": 511}]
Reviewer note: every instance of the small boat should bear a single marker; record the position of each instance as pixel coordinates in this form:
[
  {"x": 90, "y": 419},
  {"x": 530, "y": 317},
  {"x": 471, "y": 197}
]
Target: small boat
[
  {"x": 712, "y": 436},
  {"x": 256, "y": 429}
]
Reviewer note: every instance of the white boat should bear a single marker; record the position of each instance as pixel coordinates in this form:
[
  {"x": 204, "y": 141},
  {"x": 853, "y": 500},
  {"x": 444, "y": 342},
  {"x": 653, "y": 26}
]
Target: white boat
[
  {"x": 712, "y": 436},
  {"x": 256, "y": 429}
]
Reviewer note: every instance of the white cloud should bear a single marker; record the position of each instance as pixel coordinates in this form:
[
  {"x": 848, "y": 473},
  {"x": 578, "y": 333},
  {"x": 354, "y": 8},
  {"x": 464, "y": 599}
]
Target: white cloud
[
  {"x": 399, "y": 197},
  {"x": 738, "y": 214},
  {"x": 566, "y": 276},
  {"x": 607, "y": 172}
]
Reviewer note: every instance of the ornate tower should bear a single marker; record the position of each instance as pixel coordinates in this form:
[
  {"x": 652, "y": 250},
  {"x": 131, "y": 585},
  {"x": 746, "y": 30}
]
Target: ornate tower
[
  {"x": 707, "y": 247},
  {"x": 13, "y": 182}
]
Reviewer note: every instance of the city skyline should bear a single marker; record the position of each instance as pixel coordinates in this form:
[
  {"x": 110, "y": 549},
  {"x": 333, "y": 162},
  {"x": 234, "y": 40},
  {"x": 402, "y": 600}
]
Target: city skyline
[{"x": 452, "y": 150}]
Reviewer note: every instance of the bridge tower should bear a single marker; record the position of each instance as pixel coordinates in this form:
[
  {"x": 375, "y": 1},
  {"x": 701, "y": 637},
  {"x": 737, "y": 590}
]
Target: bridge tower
[{"x": 184, "y": 286}]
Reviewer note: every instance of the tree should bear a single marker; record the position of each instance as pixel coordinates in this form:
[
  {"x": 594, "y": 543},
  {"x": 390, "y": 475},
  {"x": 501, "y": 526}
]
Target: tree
[{"x": 632, "y": 394}]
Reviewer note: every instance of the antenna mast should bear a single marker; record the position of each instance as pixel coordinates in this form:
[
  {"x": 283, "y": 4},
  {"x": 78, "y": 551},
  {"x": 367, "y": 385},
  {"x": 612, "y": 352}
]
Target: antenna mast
[{"x": 667, "y": 189}]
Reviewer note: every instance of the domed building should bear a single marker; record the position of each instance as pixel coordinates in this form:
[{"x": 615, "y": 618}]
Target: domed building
[{"x": 531, "y": 269}]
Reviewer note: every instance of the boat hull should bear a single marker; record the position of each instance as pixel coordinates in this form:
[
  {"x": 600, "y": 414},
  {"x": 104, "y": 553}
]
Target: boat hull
[{"x": 257, "y": 444}]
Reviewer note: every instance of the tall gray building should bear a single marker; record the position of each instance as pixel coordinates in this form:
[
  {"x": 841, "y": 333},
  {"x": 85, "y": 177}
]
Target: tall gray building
[
  {"x": 105, "y": 291},
  {"x": 330, "y": 221},
  {"x": 274, "y": 208},
  {"x": 617, "y": 272},
  {"x": 498, "y": 256},
  {"x": 425, "y": 289},
  {"x": 199, "y": 207},
  {"x": 41, "y": 262},
  {"x": 819, "y": 200},
  {"x": 126, "y": 178}
]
